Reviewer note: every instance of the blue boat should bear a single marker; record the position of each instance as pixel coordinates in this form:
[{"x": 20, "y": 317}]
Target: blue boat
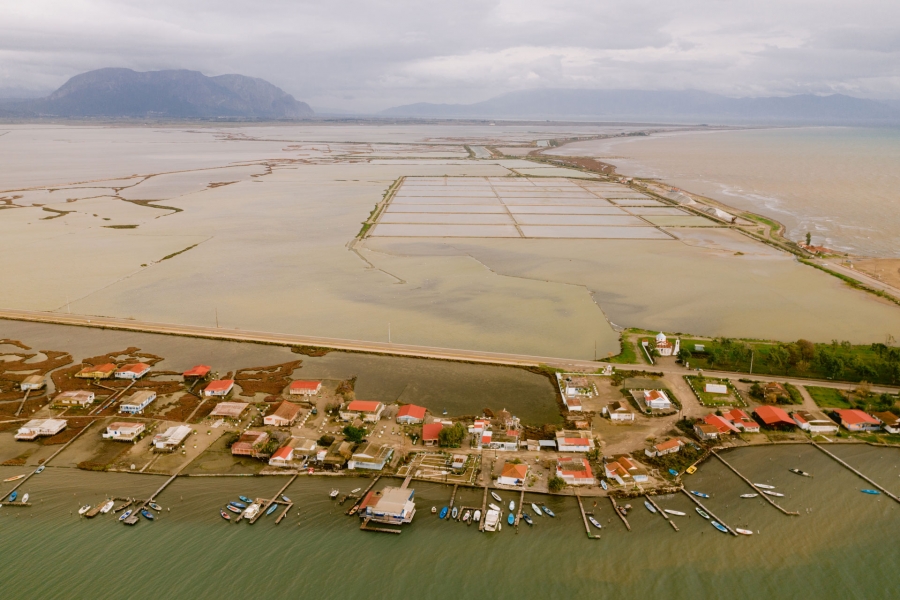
[
  {"x": 719, "y": 526},
  {"x": 238, "y": 504},
  {"x": 873, "y": 492},
  {"x": 125, "y": 515},
  {"x": 40, "y": 469},
  {"x": 700, "y": 494},
  {"x": 527, "y": 519},
  {"x": 673, "y": 472},
  {"x": 285, "y": 498},
  {"x": 245, "y": 499},
  {"x": 511, "y": 519},
  {"x": 444, "y": 512},
  {"x": 603, "y": 484},
  {"x": 13, "y": 496},
  {"x": 147, "y": 514},
  {"x": 272, "y": 509},
  {"x": 548, "y": 511}
]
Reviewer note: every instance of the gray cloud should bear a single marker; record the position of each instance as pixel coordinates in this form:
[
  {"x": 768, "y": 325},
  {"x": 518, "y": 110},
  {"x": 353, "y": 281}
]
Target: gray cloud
[{"x": 366, "y": 56}]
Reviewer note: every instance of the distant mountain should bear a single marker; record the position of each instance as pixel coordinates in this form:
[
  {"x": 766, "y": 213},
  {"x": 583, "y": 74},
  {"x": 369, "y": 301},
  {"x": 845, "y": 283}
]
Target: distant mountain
[
  {"x": 678, "y": 106},
  {"x": 169, "y": 94}
]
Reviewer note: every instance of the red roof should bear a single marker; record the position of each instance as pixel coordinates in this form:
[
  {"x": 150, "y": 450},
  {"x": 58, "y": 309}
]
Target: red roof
[
  {"x": 135, "y": 368},
  {"x": 486, "y": 439},
  {"x": 853, "y": 416},
  {"x": 198, "y": 371},
  {"x": 431, "y": 431},
  {"x": 301, "y": 385},
  {"x": 676, "y": 443},
  {"x": 107, "y": 368},
  {"x": 735, "y": 414},
  {"x": 576, "y": 441},
  {"x": 366, "y": 406},
  {"x": 283, "y": 453},
  {"x": 772, "y": 415},
  {"x": 219, "y": 385},
  {"x": 720, "y": 423},
  {"x": 411, "y": 410}
]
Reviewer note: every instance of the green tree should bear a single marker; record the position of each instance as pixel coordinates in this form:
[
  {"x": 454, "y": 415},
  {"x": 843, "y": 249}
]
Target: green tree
[
  {"x": 556, "y": 483},
  {"x": 452, "y": 437},
  {"x": 354, "y": 434},
  {"x": 808, "y": 238}
]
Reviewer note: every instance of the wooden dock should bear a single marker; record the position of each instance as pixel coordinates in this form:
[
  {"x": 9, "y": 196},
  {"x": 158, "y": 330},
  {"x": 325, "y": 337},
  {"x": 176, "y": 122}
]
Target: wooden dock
[
  {"x": 519, "y": 511},
  {"x": 661, "y": 512},
  {"x": 366, "y": 527},
  {"x": 865, "y": 478},
  {"x": 483, "y": 509},
  {"x": 265, "y": 503},
  {"x": 756, "y": 489},
  {"x": 46, "y": 462},
  {"x": 618, "y": 512},
  {"x": 356, "y": 504},
  {"x": 709, "y": 512},
  {"x": 453, "y": 496},
  {"x": 284, "y": 513},
  {"x": 587, "y": 525},
  {"x": 15, "y": 503}
]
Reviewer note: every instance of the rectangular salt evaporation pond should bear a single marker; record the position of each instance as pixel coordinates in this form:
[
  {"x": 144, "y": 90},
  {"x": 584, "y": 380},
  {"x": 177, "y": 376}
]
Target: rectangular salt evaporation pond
[
  {"x": 475, "y": 231},
  {"x": 593, "y": 232},
  {"x": 448, "y": 208},
  {"x": 444, "y": 200},
  {"x": 545, "y": 194},
  {"x": 637, "y": 202},
  {"x": 556, "y": 202},
  {"x": 656, "y": 210},
  {"x": 684, "y": 221},
  {"x": 404, "y": 193},
  {"x": 565, "y": 210},
  {"x": 452, "y": 218},
  {"x": 620, "y": 220}
]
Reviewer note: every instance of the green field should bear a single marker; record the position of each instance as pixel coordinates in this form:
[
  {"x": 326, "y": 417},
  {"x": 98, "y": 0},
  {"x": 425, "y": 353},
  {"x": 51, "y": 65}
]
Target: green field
[
  {"x": 828, "y": 397},
  {"x": 706, "y": 399}
]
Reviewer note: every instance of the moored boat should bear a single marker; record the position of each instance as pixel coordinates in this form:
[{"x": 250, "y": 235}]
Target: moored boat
[
  {"x": 107, "y": 507},
  {"x": 272, "y": 509},
  {"x": 245, "y": 499},
  {"x": 454, "y": 513},
  {"x": 764, "y": 486},
  {"x": 225, "y": 515},
  {"x": 691, "y": 470},
  {"x": 125, "y": 515},
  {"x": 719, "y": 526},
  {"x": 595, "y": 522},
  {"x": 699, "y": 494},
  {"x": 549, "y": 512},
  {"x": 677, "y": 513},
  {"x": 743, "y": 531},
  {"x": 771, "y": 493},
  {"x": 434, "y": 510},
  {"x": 24, "y": 498},
  {"x": 251, "y": 511},
  {"x": 40, "y": 469},
  {"x": 13, "y": 478},
  {"x": 444, "y": 512},
  {"x": 536, "y": 509},
  {"x": 673, "y": 472},
  {"x": 285, "y": 498},
  {"x": 467, "y": 517},
  {"x": 873, "y": 492},
  {"x": 799, "y": 472},
  {"x": 354, "y": 491},
  {"x": 147, "y": 514},
  {"x": 527, "y": 519},
  {"x": 512, "y": 505},
  {"x": 154, "y": 506},
  {"x": 492, "y": 520},
  {"x": 702, "y": 513},
  {"x": 233, "y": 509},
  {"x": 511, "y": 519},
  {"x": 240, "y": 505},
  {"x": 493, "y": 506},
  {"x": 477, "y": 516},
  {"x": 333, "y": 494},
  {"x": 749, "y": 495},
  {"x": 603, "y": 484},
  {"x": 14, "y": 495},
  {"x": 649, "y": 506},
  {"x": 496, "y": 497}
]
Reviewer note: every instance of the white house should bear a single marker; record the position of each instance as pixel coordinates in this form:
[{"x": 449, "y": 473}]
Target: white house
[
  {"x": 657, "y": 399},
  {"x": 32, "y": 382},
  {"x": 410, "y": 414},
  {"x": 75, "y": 397},
  {"x": 40, "y": 428},
  {"x": 574, "y": 441},
  {"x": 619, "y": 411},
  {"x": 504, "y": 440},
  {"x": 132, "y": 371},
  {"x": 137, "y": 402},
  {"x": 171, "y": 438},
  {"x": 513, "y": 474},
  {"x": 573, "y": 404},
  {"x": 304, "y": 388},
  {"x": 574, "y": 470},
  {"x": 390, "y": 505},
  {"x": 123, "y": 432},
  {"x": 367, "y": 410},
  {"x": 219, "y": 387},
  {"x": 814, "y": 421},
  {"x": 663, "y": 448},
  {"x": 370, "y": 456}
]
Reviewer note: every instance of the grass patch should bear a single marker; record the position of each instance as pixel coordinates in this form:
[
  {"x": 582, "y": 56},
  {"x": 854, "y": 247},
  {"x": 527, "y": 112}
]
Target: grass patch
[
  {"x": 828, "y": 397},
  {"x": 121, "y": 227},
  {"x": 698, "y": 385},
  {"x": 794, "y": 393},
  {"x": 174, "y": 254},
  {"x": 627, "y": 354}
]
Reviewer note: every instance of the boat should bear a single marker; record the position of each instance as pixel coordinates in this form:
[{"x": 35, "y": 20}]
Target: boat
[
  {"x": 743, "y": 531},
  {"x": 776, "y": 494},
  {"x": 40, "y": 469},
  {"x": 536, "y": 509},
  {"x": 454, "y": 513},
  {"x": 691, "y": 470},
  {"x": 493, "y": 506},
  {"x": 14, "y": 478},
  {"x": 649, "y": 506},
  {"x": 13, "y": 496},
  {"x": 496, "y": 497},
  {"x": 251, "y": 511},
  {"x": 673, "y": 472},
  {"x": 702, "y": 513},
  {"x": 24, "y": 498},
  {"x": 677, "y": 513},
  {"x": 233, "y": 509},
  {"x": 225, "y": 515},
  {"x": 434, "y": 510},
  {"x": 147, "y": 514},
  {"x": 353, "y": 510},
  {"x": 873, "y": 492},
  {"x": 467, "y": 517},
  {"x": 445, "y": 411},
  {"x": 603, "y": 484},
  {"x": 240, "y": 505},
  {"x": 719, "y": 526},
  {"x": 749, "y": 495},
  {"x": 511, "y": 519},
  {"x": 272, "y": 509},
  {"x": 355, "y": 491},
  {"x": 492, "y": 520},
  {"x": 245, "y": 499},
  {"x": 122, "y": 506},
  {"x": 549, "y": 512},
  {"x": 285, "y": 498},
  {"x": 125, "y": 515},
  {"x": 477, "y": 516},
  {"x": 154, "y": 506},
  {"x": 527, "y": 519},
  {"x": 333, "y": 494},
  {"x": 595, "y": 522},
  {"x": 699, "y": 494},
  {"x": 799, "y": 472},
  {"x": 444, "y": 512},
  {"x": 512, "y": 505},
  {"x": 763, "y": 486},
  {"x": 107, "y": 507}
]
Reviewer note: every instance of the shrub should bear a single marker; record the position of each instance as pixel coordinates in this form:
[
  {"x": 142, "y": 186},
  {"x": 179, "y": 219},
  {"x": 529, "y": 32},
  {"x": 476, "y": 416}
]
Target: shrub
[{"x": 556, "y": 483}]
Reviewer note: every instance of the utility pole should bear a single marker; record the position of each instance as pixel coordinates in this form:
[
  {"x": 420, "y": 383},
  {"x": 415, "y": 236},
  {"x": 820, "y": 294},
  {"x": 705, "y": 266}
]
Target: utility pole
[
  {"x": 751, "y": 362},
  {"x": 217, "y": 317},
  {"x": 389, "y": 333}
]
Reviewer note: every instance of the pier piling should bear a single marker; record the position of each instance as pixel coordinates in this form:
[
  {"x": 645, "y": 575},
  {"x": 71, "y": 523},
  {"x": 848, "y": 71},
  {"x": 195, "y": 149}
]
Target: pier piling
[
  {"x": 756, "y": 489},
  {"x": 865, "y": 478}
]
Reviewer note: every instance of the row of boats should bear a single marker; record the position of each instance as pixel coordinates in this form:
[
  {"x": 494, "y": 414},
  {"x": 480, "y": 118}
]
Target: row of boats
[
  {"x": 247, "y": 508},
  {"x": 125, "y": 517},
  {"x": 15, "y": 493},
  {"x": 494, "y": 514}
]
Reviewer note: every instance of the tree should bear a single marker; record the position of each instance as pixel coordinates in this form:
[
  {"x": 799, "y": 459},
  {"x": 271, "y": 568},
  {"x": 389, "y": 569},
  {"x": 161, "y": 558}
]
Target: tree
[
  {"x": 756, "y": 391},
  {"x": 556, "y": 483},
  {"x": 452, "y": 437},
  {"x": 808, "y": 239},
  {"x": 326, "y": 440},
  {"x": 354, "y": 434},
  {"x": 684, "y": 354},
  {"x": 807, "y": 349},
  {"x": 863, "y": 390}
]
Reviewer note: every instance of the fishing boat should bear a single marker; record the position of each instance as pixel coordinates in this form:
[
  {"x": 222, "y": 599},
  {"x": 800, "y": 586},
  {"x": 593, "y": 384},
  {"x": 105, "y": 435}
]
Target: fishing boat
[
  {"x": 649, "y": 506},
  {"x": 24, "y": 498},
  {"x": 493, "y": 506},
  {"x": 353, "y": 510},
  {"x": 467, "y": 517},
  {"x": 107, "y": 507},
  {"x": 549, "y": 512},
  {"x": 240, "y": 505},
  {"x": 536, "y": 509},
  {"x": 496, "y": 497},
  {"x": 245, "y": 499},
  {"x": 355, "y": 490},
  {"x": 677, "y": 513},
  {"x": 147, "y": 514},
  {"x": 512, "y": 505},
  {"x": 251, "y": 511},
  {"x": 873, "y": 492},
  {"x": 511, "y": 519},
  {"x": 702, "y": 513},
  {"x": 444, "y": 512},
  {"x": 454, "y": 513},
  {"x": 233, "y": 509},
  {"x": 225, "y": 515},
  {"x": 13, "y": 496},
  {"x": 603, "y": 484},
  {"x": 285, "y": 498},
  {"x": 154, "y": 506},
  {"x": 40, "y": 469},
  {"x": 477, "y": 516},
  {"x": 125, "y": 515},
  {"x": 799, "y": 472},
  {"x": 743, "y": 531},
  {"x": 272, "y": 509},
  {"x": 527, "y": 519},
  {"x": 673, "y": 472},
  {"x": 333, "y": 494},
  {"x": 595, "y": 522},
  {"x": 763, "y": 486},
  {"x": 15, "y": 478},
  {"x": 770, "y": 493},
  {"x": 719, "y": 526},
  {"x": 749, "y": 495},
  {"x": 699, "y": 494},
  {"x": 691, "y": 470},
  {"x": 122, "y": 506}
]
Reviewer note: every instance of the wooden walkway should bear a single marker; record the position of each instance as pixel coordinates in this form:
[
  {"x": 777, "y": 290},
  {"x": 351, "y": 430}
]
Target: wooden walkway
[
  {"x": 709, "y": 512},
  {"x": 352, "y": 510},
  {"x": 453, "y": 496},
  {"x": 22, "y": 404},
  {"x": 366, "y": 527},
  {"x": 618, "y": 512},
  {"x": 112, "y": 399},
  {"x": 483, "y": 509},
  {"x": 865, "y": 478},
  {"x": 264, "y": 504},
  {"x": 756, "y": 489},
  {"x": 587, "y": 525},
  {"x": 47, "y": 462},
  {"x": 661, "y": 512},
  {"x": 519, "y": 512}
]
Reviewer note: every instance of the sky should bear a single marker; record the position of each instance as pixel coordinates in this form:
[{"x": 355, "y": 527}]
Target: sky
[{"x": 359, "y": 56}]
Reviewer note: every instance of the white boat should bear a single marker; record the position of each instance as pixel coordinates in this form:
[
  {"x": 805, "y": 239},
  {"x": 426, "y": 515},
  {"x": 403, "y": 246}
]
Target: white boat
[
  {"x": 14, "y": 478},
  {"x": 677, "y": 513},
  {"x": 776, "y": 494},
  {"x": 649, "y": 506},
  {"x": 492, "y": 520},
  {"x": 749, "y": 495},
  {"x": 434, "y": 510},
  {"x": 603, "y": 484},
  {"x": 24, "y": 498},
  {"x": 536, "y": 509},
  {"x": 107, "y": 507},
  {"x": 251, "y": 511},
  {"x": 477, "y": 516},
  {"x": 493, "y": 506},
  {"x": 512, "y": 505},
  {"x": 333, "y": 494},
  {"x": 763, "y": 486},
  {"x": 84, "y": 509},
  {"x": 743, "y": 531},
  {"x": 496, "y": 497},
  {"x": 355, "y": 491}
]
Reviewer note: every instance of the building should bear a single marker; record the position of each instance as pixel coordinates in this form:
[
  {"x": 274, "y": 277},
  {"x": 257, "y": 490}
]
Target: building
[
  {"x": 338, "y": 454},
  {"x": 431, "y": 433},
  {"x": 657, "y": 399},
  {"x": 724, "y": 426},
  {"x": 619, "y": 411},
  {"x": 391, "y": 505},
  {"x": 814, "y": 421},
  {"x": 40, "y": 428},
  {"x": 459, "y": 462},
  {"x": 295, "y": 453},
  {"x": 229, "y": 410},
  {"x": 171, "y": 438},
  {"x": 219, "y": 387},
  {"x": 663, "y": 448},
  {"x": 137, "y": 402},
  {"x": 304, "y": 388},
  {"x": 742, "y": 420},
  {"x": 123, "y": 432},
  {"x": 706, "y": 432},
  {"x": 624, "y": 469},
  {"x": 302, "y": 446},
  {"x": 372, "y": 456},
  {"x": 285, "y": 414},
  {"x": 410, "y": 414},
  {"x": 479, "y": 426},
  {"x": 776, "y": 390},
  {"x": 574, "y": 441},
  {"x": 197, "y": 372},
  {"x": 484, "y": 440},
  {"x": 715, "y": 388},
  {"x": 97, "y": 372},
  {"x": 772, "y": 416},
  {"x": 575, "y": 385},
  {"x": 574, "y": 470},
  {"x": 75, "y": 397},
  {"x": 32, "y": 382},
  {"x": 132, "y": 371},
  {"x": 637, "y": 472},
  {"x": 889, "y": 420},
  {"x": 504, "y": 440},
  {"x": 665, "y": 347},
  {"x": 367, "y": 410},
  {"x": 283, "y": 457},
  {"x": 573, "y": 404},
  {"x": 249, "y": 443},
  {"x": 856, "y": 420}
]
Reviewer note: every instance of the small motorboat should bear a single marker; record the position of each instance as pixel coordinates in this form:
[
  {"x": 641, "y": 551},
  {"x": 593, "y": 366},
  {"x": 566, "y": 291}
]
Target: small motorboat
[
  {"x": 333, "y": 494},
  {"x": 595, "y": 522},
  {"x": 272, "y": 509},
  {"x": 749, "y": 495},
  {"x": 536, "y": 509},
  {"x": 702, "y": 513},
  {"x": 285, "y": 498},
  {"x": 799, "y": 472},
  {"x": 649, "y": 506},
  {"x": 743, "y": 531},
  {"x": 770, "y": 493},
  {"x": 677, "y": 513},
  {"x": 603, "y": 484},
  {"x": 763, "y": 486},
  {"x": 699, "y": 494},
  {"x": 719, "y": 526},
  {"x": 434, "y": 510},
  {"x": 673, "y": 472},
  {"x": 691, "y": 470},
  {"x": 527, "y": 519},
  {"x": 14, "y": 495},
  {"x": 511, "y": 519},
  {"x": 512, "y": 505},
  {"x": 13, "y": 478},
  {"x": 225, "y": 515},
  {"x": 873, "y": 492},
  {"x": 467, "y": 517},
  {"x": 154, "y": 506},
  {"x": 251, "y": 511},
  {"x": 122, "y": 506},
  {"x": 125, "y": 515},
  {"x": 147, "y": 514},
  {"x": 353, "y": 510},
  {"x": 107, "y": 507},
  {"x": 245, "y": 499},
  {"x": 549, "y": 512},
  {"x": 496, "y": 497},
  {"x": 445, "y": 411},
  {"x": 355, "y": 491},
  {"x": 454, "y": 513},
  {"x": 493, "y": 506},
  {"x": 233, "y": 509},
  {"x": 24, "y": 498},
  {"x": 40, "y": 469},
  {"x": 477, "y": 516},
  {"x": 444, "y": 512},
  {"x": 240, "y": 505}
]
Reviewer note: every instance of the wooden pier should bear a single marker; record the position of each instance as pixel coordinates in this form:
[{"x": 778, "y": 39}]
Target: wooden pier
[
  {"x": 756, "y": 489},
  {"x": 356, "y": 504},
  {"x": 22, "y": 403},
  {"x": 284, "y": 513},
  {"x": 661, "y": 512},
  {"x": 15, "y": 503},
  {"x": 519, "y": 512},
  {"x": 483, "y": 509},
  {"x": 865, "y": 478},
  {"x": 46, "y": 462},
  {"x": 265, "y": 503},
  {"x": 453, "y": 496},
  {"x": 619, "y": 512},
  {"x": 587, "y": 525},
  {"x": 709, "y": 512},
  {"x": 366, "y": 527}
]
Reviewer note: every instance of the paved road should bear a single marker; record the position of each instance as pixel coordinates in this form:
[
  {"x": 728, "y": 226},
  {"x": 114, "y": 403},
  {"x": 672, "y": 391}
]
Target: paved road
[{"x": 497, "y": 358}]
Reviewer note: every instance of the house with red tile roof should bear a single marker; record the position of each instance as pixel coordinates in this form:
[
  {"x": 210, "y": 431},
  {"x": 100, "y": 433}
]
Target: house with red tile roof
[
  {"x": 741, "y": 420},
  {"x": 706, "y": 432},
  {"x": 574, "y": 441},
  {"x": 657, "y": 399},
  {"x": 575, "y": 470},
  {"x": 724, "y": 426},
  {"x": 430, "y": 433},
  {"x": 219, "y": 387},
  {"x": 104, "y": 371},
  {"x": 304, "y": 388},
  {"x": 504, "y": 440},
  {"x": 367, "y": 410},
  {"x": 132, "y": 371},
  {"x": 663, "y": 448},
  {"x": 772, "y": 416},
  {"x": 285, "y": 414},
  {"x": 856, "y": 420},
  {"x": 197, "y": 372},
  {"x": 249, "y": 443},
  {"x": 513, "y": 474},
  {"x": 410, "y": 414}
]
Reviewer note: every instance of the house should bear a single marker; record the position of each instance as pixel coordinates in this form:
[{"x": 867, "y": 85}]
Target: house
[
  {"x": 371, "y": 455},
  {"x": 573, "y": 404},
  {"x": 637, "y": 472},
  {"x": 459, "y": 462},
  {"x": 619, "y": 411},
  {"x": 484, "y": 440},
  {"x": 249, "y": 443},
  {"x": 197, "y": 372},
  {"x": 504, "y": 440},
  {"x": 889, "y": 420},
  {"x": 430, "y": 433},
  {"x": 668, "y": 447},
  {"x": 616, "y": 472},
  {"x": 856, "y": 420},
  {"x": 715, "y": 388},
  {"x": 665, "y": 347},
  {"x": 123, "y": 432},
  {"x": 724, "y": 426},
  {"x": 302, "y": 446},
  {"x": 575, "y": 385},
  {"x": 814, "y": 421},
  {"x": 219, "y": 387},
  {"x": 133, "y": 371},
  {"x": 657, "y": 399},
  {"x": 171, "y": 438},
  {"x": 775, "y": 389},
  {"x": 75, "y": 397},
  {"x": 137, "y": 402},
  {"x": 575, "y": 470},
  {"x": 479, "y": 427},
  {"x": 230, "y": 410},
  {"x": 40, "y": 428},
  {"x": 283, "y": 457},
  {"x": 410, "y": 414},
  {"x": 338, "y": 454},
  {"x": 285, "y": 415},
  {"x": 574, "y": 441},
  {"x": 773, "y": 416},
  {"x": 367, "y": 410},
  {"x": 304, "y": 388},
  {"x": 97, "y": 372},
  {"x": 706, "y": 432},
  {"x": 391, "y": 505},
  {"x": 32, "y": 382},
  {"x": 741, "y": 420}
]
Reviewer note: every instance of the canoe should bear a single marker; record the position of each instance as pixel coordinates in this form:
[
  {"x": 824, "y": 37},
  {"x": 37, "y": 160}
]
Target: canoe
[
  {"x": 649, "y": 506},
  {"x": 744, "y": 531},
  {"x": 702, "y": 513},
  {"x": 14, "y": 478},
  {"x": 799, "y": 472},
  {"x": 477, "y": 516},
  {"x": 454, "y": 513},
  {"x": 749, "y": 495},
  {"x": 147, "y": 514},
  {"x": 125, "y": 515},
  {"x": 240, "y": 505},
  {"x": 355, "y": 490},
  {"x": 673, "y": 472},
  {"x": 444, "y": 512},
  {"x": 763, "y": 486},
  {"x": 106, "y": 507},
  {"x": 155, "y": 506},
  {"x": 225, "y": 515},
  {"x": 512, "y": 505},
  {"x": 677, "y": 513},
  {"x": 603, "y": 484},
  {"x": 233, "y": 509},
  {"x": 536, "y": 509},
  {"x": 595, "y": 522},
  {"x": 245, "y": 499},
  {"x": 272, "y": 509},
  {"x": 511, "y": 519},
  {"x": 13, "y": 496},
  {"x": 40, "y": 469},
  {"x": 873, "y": 492},
  {"x": 719, "y": 526},
  {"x": 699, "y": 494},
  {"x": 548, "y": 511},
  {"x": 776, "y": 494},
  {"x": 527, "y": 519},
  {"x": 496, "y": 497},
  {"x": 493, "y": 506}
]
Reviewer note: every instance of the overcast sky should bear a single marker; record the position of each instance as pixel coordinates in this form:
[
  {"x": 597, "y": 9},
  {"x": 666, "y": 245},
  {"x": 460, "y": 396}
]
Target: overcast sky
[{"x": 366, "y": 56}]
